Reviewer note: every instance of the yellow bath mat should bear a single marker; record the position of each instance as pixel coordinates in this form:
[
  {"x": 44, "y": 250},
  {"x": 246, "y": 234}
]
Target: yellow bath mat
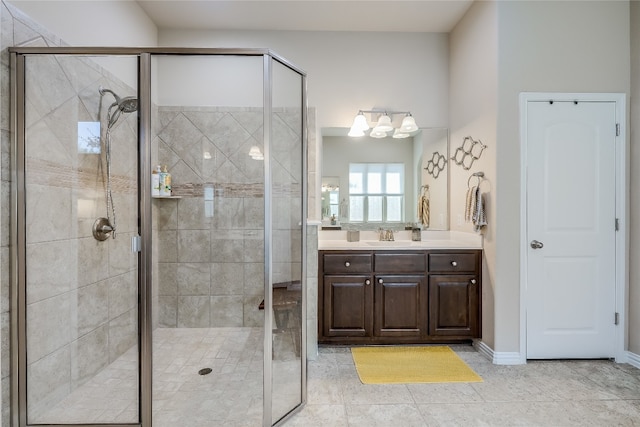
[{"x": 399, "y": 365}]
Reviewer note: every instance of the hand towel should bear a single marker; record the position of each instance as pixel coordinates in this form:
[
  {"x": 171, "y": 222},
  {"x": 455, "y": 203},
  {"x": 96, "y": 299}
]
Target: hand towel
[
  {"x": 470, "y": 204},
  {"x": 479, "y": 214},
  {"x": 423, "y": 208}
]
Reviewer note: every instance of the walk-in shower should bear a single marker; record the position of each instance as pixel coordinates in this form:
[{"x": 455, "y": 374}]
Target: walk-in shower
[{"x": 195, "y": 314}]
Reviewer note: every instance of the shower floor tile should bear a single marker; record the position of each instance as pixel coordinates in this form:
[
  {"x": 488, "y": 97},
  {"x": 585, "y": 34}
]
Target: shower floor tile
[{"x": 230, "y": 395}]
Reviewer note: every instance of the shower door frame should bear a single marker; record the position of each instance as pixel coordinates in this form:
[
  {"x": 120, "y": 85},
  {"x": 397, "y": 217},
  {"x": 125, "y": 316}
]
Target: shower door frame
[{"x": 18, "y": 386}]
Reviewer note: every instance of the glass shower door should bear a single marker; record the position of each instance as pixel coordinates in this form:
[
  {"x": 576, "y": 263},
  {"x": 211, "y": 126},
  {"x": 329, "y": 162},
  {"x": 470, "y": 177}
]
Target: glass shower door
[
  {"x": 288, "y": 215},
  {"x": 78, "y": 276}
]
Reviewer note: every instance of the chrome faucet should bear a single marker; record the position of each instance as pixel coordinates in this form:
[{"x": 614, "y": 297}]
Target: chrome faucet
[{"x": 385, "y": 235}]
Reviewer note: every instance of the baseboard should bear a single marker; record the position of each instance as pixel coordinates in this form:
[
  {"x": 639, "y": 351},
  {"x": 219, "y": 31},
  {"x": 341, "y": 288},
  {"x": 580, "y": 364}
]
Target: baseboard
[
  {"x": 499, "y": 357},
  {"x": 633, "y": 359}
]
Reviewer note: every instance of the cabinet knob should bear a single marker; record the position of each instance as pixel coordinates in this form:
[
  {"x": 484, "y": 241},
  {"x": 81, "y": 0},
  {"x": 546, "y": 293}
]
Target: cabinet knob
[
  {"x": 367, "y": 282},
  {"x": 473, "y": 281},
  {"x": 347, "y": 264},
  {"x": 380, "y": 281},
  {"x": 453, "y": 263}
]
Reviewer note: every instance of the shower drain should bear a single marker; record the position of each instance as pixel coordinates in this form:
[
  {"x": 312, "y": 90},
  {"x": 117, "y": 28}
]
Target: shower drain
[{"x": 205, "y": 371}]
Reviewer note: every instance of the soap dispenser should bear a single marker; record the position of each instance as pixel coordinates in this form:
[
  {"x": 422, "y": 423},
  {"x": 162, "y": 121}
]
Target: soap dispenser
[
  {"x": 165, "y": 182},
  {"x": 155, "y": 182}
]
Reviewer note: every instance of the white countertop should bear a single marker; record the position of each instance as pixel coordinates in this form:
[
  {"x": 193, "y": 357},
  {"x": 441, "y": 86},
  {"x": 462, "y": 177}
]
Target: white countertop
[{"x": 337, "y": 240}]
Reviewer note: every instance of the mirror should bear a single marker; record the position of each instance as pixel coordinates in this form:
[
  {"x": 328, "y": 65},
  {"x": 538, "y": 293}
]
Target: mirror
[{"x": 369, "y": 183}]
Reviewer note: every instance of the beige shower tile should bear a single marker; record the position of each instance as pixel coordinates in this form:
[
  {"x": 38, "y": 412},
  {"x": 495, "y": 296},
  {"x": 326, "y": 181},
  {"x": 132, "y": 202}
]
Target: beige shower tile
[
  {"x": 123, "y": 334},
  {"x": 123, "y": 293},
  {"x": 167, "y": 278},
  {"x": 227, "y": 278},
  {"x": 193, "y": 311},
  {"x": 227, "y": 250},
  {"x": 93, "y": 264},
  {"x": 50, "y": 325},
  {"x": 50, "y": 381},
  {"x": 121, "y": 259},
  {"x": 168, "y": 311},
  {"x": 191, "y": 214},
  {"x": 253, "y": 246},
  {"x": 193, "y": 278},
  {"x": 93, "y": 306},
  {"x": 228, "y": 214},
  {"x": 89, "y": 355},
  {"x": 166, "y": 211},
  {"x": 48, "y": 212},
  {"x": 194, "y": 246},
  {"x": 226, "y": 311}
]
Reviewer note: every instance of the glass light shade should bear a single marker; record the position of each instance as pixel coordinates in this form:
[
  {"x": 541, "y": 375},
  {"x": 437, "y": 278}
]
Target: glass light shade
[
  {"x": 360, "y": 122},
  {"x": 378, "y": 133},
  {"x": 354, "y": 131},
  {"x": 409, "y": 124},
  {"x": 384, "y": 123},
  {"x": 400, "y": 134},
  {"x": 255, "y": 153}
]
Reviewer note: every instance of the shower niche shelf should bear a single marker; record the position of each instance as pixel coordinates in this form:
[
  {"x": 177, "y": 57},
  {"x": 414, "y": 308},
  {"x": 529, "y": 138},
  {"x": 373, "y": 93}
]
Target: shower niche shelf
[{"x": 166, "y": 197}]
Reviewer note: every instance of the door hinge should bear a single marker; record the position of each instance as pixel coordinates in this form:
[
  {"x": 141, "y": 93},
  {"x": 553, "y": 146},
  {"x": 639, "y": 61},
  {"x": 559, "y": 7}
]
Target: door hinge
[
  {"x": 617, "y": 129},
  {"x": 617, "y": 224},
  {"x": 136, "y": 244},
  {"x": 616, "y": 319}
]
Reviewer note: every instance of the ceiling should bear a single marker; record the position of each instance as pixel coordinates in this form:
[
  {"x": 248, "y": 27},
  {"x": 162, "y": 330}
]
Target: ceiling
[{"x": 308, "y": 15}]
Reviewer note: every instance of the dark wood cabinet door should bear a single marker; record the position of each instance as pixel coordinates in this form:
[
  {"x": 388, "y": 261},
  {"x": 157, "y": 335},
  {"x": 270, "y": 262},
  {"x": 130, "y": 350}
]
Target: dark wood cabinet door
[
  {"x": 348, "y": 306},
  {"x": 400, "y": 306},
  {"x": 454, "y": 305}
]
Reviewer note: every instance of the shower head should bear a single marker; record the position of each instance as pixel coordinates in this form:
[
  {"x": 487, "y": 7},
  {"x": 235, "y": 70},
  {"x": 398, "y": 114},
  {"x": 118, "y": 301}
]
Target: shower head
[{"x": 128, "y": 104}]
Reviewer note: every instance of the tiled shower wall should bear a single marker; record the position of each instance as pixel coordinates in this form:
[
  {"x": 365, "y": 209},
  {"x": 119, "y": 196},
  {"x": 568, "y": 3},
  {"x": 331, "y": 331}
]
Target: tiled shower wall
[
  {"x": 81, "y": 293},
  {"x": 211, "y": 252}
]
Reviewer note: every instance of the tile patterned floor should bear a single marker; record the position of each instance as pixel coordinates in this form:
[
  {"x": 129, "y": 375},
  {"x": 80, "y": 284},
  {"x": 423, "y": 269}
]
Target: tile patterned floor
[
  {"x": 543, "y": 393},
  {"x": 231, "y": 395}
]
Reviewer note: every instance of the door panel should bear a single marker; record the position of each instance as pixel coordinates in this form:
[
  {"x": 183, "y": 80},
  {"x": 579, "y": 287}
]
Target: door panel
[
  {"x": 571, "y": 211},
  {"x": 80, "y": 293},
  {"x": 347, "y": 306},
  {"x": 453, "y": 305},
  {"x": 400, "y": 306}
]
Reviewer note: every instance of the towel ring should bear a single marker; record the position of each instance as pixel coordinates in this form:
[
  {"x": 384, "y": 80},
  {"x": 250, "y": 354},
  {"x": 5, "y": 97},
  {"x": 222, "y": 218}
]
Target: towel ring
[{"x": 478, "y": 175}]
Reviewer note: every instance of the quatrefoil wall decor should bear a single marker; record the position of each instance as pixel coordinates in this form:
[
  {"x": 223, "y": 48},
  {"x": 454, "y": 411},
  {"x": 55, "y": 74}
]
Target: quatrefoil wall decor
[
  {"x": 468, "y": 152},
  {"x": 436, "y": 164}
]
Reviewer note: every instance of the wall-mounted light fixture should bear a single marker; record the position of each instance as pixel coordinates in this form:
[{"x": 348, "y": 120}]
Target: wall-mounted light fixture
[
  {"x": 384, "y": 124},
  {"x": 255, "y": 153}
]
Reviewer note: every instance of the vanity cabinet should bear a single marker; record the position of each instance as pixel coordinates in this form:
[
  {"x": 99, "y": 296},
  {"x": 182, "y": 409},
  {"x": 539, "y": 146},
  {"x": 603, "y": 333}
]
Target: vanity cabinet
[
  {"x": 398, "y": 296},
  {"x": 454, "y": 294}
]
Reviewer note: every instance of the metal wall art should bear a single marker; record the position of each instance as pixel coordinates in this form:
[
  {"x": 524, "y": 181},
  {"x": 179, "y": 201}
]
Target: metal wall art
[
  {"x": 436, "y": 164},
  {"x": 468, "y": 152}
]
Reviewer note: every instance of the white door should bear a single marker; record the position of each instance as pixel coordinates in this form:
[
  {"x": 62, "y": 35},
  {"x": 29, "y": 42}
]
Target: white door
[{"x": 570, "y": 295}]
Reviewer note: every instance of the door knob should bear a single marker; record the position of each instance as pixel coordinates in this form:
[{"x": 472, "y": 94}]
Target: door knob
[{"x": 536, "y": 245}]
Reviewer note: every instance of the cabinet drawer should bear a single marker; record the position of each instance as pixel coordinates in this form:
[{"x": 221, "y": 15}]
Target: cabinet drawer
[
  {"x": 452, "y": 262},
  {"x": 399, "y": 263},
  {"x": 347, "y": 263}
]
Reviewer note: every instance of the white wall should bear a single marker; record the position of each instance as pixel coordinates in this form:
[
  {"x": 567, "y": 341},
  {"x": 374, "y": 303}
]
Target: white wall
[
  {"x": 473, "y": 107},
  {"x": 348, "y": 72},
  {"x": 545, "y": 47},
  {"x": 95, "y": 23}
]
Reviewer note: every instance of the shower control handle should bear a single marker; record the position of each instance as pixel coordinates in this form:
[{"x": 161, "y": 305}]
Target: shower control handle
[{"x": 102, "y": 229}]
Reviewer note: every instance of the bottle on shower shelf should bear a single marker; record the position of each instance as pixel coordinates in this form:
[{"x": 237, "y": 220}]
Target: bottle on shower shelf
[
  {"x": 155, "y": 182},
  {"x": 165, "y": 182}
]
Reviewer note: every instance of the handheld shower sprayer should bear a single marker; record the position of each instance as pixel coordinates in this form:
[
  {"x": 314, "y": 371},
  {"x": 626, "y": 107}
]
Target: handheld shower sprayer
[{"x": 106, "y": 227}]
